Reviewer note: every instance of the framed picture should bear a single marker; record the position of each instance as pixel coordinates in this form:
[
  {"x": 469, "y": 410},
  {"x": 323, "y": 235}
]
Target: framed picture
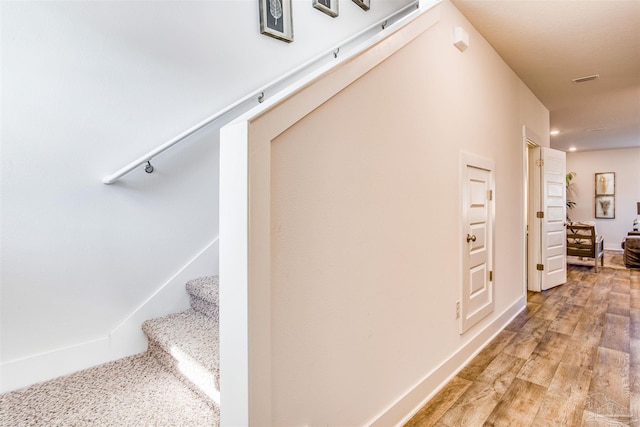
[
  {"x": 606, "y": 207},
  {"x": 330, "y": 7},
  {"x": 364, "y": 4},
  {"x": 605, "y": 183},
  {"x": 276, "y": 19}
]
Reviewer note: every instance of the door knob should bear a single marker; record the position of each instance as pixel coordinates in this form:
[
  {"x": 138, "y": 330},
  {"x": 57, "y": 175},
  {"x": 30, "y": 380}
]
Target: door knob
[{"x": 471, "y": 238}]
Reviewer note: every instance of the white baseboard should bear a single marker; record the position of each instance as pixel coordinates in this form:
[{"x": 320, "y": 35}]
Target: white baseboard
[
  {"x": 404, "y": 408},
  {"x": 125, "y": 339},
  {"x": 36, "y": 368}
]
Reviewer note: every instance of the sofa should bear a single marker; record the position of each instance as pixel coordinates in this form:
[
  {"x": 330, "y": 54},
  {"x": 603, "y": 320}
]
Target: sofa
[{"x": 631, "y": 246}]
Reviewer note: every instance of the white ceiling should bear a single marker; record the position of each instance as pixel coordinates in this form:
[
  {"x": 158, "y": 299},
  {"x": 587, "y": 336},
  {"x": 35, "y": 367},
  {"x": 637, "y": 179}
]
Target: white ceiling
[{"x": 550, "y": 42}]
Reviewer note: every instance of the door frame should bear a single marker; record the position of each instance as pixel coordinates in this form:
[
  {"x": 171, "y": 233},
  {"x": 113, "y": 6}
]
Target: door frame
[
  {"x": 552, "y": 202},
  {"x": 532, "y": 237},
  {"x": 529, "y": 141}
]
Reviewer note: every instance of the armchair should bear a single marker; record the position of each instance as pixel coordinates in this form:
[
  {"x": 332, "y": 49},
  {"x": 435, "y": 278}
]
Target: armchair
[{"x": 582, "y": 241}]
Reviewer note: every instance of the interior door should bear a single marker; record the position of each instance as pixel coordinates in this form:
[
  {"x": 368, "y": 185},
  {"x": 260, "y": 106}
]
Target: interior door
[
  {"x": 477, "y": 299},
  {"x": 550, "y": 244}
]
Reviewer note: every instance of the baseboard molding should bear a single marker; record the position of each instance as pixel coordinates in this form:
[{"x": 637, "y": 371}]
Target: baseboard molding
[
  {"x": 125, "y": 339},
  {"x": 404, "y": 408},
  {"x": 40, "y": 367}
]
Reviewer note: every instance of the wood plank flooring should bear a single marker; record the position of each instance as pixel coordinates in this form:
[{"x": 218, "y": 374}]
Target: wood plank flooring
[{"x": 571, "y": 358}]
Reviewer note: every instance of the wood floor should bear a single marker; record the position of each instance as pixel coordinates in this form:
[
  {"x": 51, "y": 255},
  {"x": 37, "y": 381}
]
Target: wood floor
[{"x": 571, "y": 358}]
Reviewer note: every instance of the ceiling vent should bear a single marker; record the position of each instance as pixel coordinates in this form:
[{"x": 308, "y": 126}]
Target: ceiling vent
[
  {"x": 586, "y": 78},
  {"x": 595, "y": 130}
]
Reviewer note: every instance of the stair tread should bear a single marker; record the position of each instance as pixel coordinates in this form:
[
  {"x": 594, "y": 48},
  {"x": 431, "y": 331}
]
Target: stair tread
[
  {"x": 205, "y": 288},
  {"x": 127, "y": 392},
  {"x": 186, "y": 334}
]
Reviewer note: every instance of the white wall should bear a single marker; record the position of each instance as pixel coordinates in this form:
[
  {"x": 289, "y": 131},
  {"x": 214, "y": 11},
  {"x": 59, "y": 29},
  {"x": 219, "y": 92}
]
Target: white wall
[
  {"x": 352, "y": 232},
  {"x": 88, "y": 87},
  {"x": 626, "y": 164}
]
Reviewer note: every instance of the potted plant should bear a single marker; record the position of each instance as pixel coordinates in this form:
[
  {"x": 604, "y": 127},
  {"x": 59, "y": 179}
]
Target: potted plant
[{"x": 569, "y": 183}]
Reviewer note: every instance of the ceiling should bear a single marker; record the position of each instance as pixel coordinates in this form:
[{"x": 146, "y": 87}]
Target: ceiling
[{"x": 548, "y": 43}]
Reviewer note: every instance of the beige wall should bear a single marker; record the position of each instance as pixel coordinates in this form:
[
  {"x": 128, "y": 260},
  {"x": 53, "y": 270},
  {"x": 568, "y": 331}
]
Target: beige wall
[
  {"x": 626, "y": 164},
  {"x": 364, "y": 230}
]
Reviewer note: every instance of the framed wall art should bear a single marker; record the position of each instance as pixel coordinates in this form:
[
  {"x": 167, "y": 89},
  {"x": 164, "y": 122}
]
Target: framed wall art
[
  {"x": 330, "y": 7},
  {"x": 276, "y": 19},
  {"x": 606, "y": 207},
  {"x": 364, "y": 4},
  {"x": 605, "y": 183}
]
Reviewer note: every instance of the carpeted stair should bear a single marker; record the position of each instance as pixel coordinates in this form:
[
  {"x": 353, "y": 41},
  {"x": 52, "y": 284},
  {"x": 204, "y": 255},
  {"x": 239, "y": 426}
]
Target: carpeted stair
[
  {"x": 186, "y": 343},
  {"x": 174, "y": 383}
]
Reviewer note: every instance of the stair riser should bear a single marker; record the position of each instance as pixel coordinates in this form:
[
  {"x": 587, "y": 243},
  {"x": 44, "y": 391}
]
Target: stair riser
[
  {"x": 205, "y": 307},
  {"x": 207, "y": 381},
  {"x": 205, "y": 289}
]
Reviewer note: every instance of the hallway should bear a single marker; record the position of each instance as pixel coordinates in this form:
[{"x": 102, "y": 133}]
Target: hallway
[{"x": 570, "y": 358}]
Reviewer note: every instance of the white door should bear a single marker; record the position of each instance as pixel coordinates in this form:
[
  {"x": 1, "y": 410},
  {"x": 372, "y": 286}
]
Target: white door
[
  {"x": 477, "y": 299},
  {"x": 550, "y": 244}
]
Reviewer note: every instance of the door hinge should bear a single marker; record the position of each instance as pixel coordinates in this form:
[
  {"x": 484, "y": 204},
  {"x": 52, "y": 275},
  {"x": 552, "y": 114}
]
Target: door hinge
[
  {"x": 457, "y": 309},
  {"x": 490, "y": 195},
  {"x": 540, "y": 267},
  {"x": 540, "y": 214},
  {"x": 540, "y": 162},
  {"x": 491, "y": 276}
]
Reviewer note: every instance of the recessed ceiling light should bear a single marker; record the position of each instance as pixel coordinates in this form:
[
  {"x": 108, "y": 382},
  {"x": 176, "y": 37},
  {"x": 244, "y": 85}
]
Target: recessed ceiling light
[
  {"x": 554, "y": 132},
  {"x": 586, "y": 78},
  {"x": 572, "y": 148}
]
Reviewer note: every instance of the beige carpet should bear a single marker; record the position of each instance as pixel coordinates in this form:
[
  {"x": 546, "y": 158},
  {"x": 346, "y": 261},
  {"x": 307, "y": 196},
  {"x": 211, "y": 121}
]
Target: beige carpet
[
  {"x": 612, "y": 259},
  {"x": 174, "y": 384},
  {"x": 134, "y": 391}
]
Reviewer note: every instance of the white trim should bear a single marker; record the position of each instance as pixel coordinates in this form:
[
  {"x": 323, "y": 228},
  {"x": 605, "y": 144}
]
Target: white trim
[
  {"x": 164, "y": 286},
  {"x": 19, "y": 373},
  {"x": 234, "y": 316},
  {"x": 531, "y": 237},
  {"x": 127, "y": 338},
  {"x": 408, "y": 405},
  {"x": 526, "y": 205}
]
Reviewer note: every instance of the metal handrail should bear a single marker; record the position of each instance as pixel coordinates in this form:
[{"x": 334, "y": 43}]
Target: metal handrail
[{"x": 257, "y": 95}]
